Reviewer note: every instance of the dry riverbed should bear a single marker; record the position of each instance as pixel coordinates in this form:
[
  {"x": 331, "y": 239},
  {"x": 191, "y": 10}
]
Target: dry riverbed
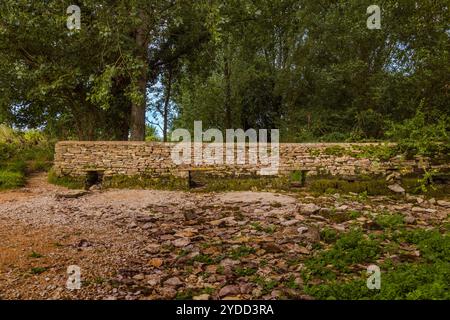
[{"x": 144, "y": 244}]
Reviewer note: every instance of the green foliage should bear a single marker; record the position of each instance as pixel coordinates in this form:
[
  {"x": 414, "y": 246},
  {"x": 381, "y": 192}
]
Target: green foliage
[
  {"x": 21, "y": 153},
  {"x": 390, "y": 220},
  {"x": 328, "y": 235},
  {"x": 261, "y": 64},
  {"x": 211, "y": 184},
  {"x": 38, "y": 270},
  {"x": 371, "y": 187},
  {"x": 35, "y": 255},
  {"x": 145, "y": 181},
  {"x": 350, "y": 248},
  {"x": 11, "y": 180},
  {"x": 64, "y": 181},
  {"x": 267, "y": 285},
  {"x": 426, "y": 182},
  {"x": 425, "y": 279},
  {"x": 265, "y": 69},
  {"x": 406, "y": 282},
  {"x": 267, "y": 229},
  {"x": 421, "y": 135},
  {"x": 151, "y": 134},
  {"x": 241, "y": 252},
  {"x": 244, "y": 272}
]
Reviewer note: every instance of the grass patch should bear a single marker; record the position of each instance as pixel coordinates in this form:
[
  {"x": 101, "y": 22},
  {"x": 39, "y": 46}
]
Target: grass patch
[
  {"x": 244, "y": 272},
  {"x": 390, "y": 220},
  {"x": 267, "y": 285},
  {"x": 35, "y": 255},
  {"x": 38, "y": 270},
  {"x": 350, "y": 248},
  {"x": 66, "y": 181},
  {"x": 328, "y": 235},
  {"x": 370, "y": 187},
  {"x": 11, "y": 180},
  {"x": 145, "y": 181},
  {"x": 267, "y": 229},
  {"x": 211, "y": 184},
  {"x": 428, "y": 278},
  {"x": 241, "y": 252}
]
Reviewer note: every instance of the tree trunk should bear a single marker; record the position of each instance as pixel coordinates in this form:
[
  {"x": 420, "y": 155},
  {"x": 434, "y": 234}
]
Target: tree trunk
[
  {"x": 227, "y": 76},
  {"x": 138, "y": 109},
  {"x": 166, "y": 105}
]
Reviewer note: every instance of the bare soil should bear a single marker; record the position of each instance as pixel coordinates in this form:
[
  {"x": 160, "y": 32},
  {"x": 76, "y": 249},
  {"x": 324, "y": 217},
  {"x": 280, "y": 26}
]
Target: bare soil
[{"x": 146, "y": 244}]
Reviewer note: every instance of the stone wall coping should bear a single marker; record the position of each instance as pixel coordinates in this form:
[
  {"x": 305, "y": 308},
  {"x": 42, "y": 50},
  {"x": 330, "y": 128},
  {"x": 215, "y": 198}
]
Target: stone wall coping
[{"x": 141, "y": 143}]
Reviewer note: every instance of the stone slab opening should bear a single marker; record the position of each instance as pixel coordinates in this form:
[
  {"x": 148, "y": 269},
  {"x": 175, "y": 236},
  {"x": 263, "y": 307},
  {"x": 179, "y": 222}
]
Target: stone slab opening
[{"x": 93, "y": 178}]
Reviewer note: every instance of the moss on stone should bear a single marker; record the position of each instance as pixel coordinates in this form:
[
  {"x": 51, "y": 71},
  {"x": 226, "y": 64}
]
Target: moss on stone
[
  {"x": 412, "y": 186},
  {"x": 370, "y": 185},
  {"x": 66, "y": 181},
  {"x": 373, "y": 187},
  {"x": 145, "y": 182},
  {"x": 244, "y": 184}
]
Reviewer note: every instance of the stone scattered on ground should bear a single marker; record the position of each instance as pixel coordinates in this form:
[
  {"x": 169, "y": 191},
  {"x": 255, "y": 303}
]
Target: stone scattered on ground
[
  {"x": 143, "y": 244},
  {"x": 397, "y": 188}
]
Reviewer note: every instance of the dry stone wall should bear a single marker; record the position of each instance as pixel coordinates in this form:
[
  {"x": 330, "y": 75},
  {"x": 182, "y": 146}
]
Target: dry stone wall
[{"x": 75, "y": 158}]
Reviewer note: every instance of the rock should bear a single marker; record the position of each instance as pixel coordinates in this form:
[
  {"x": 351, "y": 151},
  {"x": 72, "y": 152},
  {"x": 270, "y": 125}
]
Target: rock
[
  {"x": 202, "y": 297},
  {"x": 312, "y": 235},
  {"x": 271, "y": 248},
  {"x": 155, "y": 262},
  {"x": 288, "y": 223},
  {"x": 132, "y": 225},
  {"x": 276, "y": 294},
  {"x": 302, "y": 230},
  {"x": 145, "y": 219},
  {"x": 232, "y": 298},
  {"x": 182, "y": 242},
  {"x": 221, "y": 223},
  {"x": 167, "y": 293},
  {"x": 303, "y": 250},
  {"x": 394, "y": 176},
  {"x": 95, "y": 187},
  {"x": 410, "y": 220},
  {"x": 84, "y": 244},
  {"x": 325, "y": 211},
  {"x": 443, "y": 203},
  {"x": 228, "y": 262},
  {"x": 189, "y": 213},
  {"x": 153, "y": 279},
  {"x": 246, "y": 288},
  {"x": 420, "y": 209},
  {"x": 71, "y": 194},
  {"x": 257, "y": 292},
  {"x": 317, "y": 217},
  {"x": 309, "y": 208},
  {"x": 340, "y": 227},
  {"x": 396, "y": 188},
  {"x": 147, "y": 226},
  {"x": 153, "y": 248},
  {"x": 139, "y": 277},
  {"x": 173, "y": 282},
  {"x": 229, "y": 291}
]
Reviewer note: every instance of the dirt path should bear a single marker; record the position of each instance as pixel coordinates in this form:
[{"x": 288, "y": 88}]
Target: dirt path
[
  {"x": 36, "y": 185},
  {"x": 145, "y": 244}
]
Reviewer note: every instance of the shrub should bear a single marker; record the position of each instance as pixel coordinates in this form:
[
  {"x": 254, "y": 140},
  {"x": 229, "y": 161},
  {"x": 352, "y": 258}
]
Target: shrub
[
  {"x": 11, "y": 180},
  {"x": 21, "y": 153},
  {"x": 421, "y": 135}
]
